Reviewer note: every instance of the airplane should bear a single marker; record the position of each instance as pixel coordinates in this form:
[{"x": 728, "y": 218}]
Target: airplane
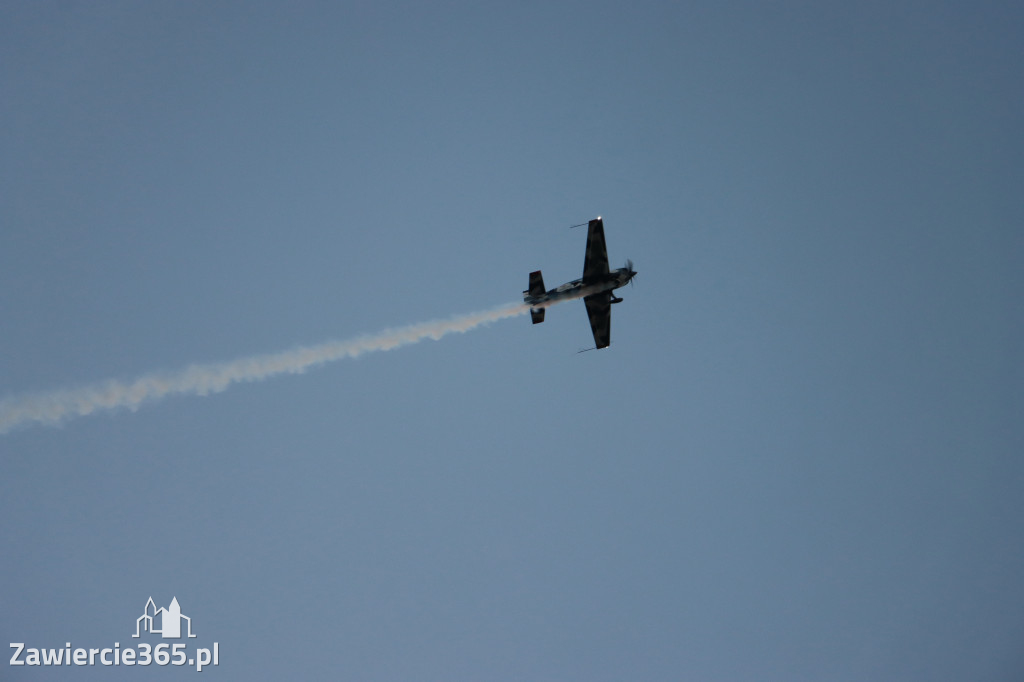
[{"x": 595, "y": 287}]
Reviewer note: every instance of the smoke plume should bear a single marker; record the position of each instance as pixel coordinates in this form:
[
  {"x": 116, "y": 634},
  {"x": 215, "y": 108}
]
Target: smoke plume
[{"x": 54, "y": 407}]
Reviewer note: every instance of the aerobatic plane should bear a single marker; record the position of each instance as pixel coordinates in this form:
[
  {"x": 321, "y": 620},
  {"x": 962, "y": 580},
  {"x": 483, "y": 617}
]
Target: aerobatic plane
[{"x": 595, "y": 287}]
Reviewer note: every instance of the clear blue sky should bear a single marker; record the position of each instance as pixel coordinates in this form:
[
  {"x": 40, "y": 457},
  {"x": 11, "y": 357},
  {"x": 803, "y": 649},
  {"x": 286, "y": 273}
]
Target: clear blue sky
[{"x": 799, "y": 460}]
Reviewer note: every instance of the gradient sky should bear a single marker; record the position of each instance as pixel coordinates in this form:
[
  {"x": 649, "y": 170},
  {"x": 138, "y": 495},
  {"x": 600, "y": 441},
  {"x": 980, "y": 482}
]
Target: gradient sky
[{"x": 799, "y": 460}]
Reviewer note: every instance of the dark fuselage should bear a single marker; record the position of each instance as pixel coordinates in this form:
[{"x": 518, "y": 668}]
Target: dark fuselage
[{"x": 578, "y": 288}]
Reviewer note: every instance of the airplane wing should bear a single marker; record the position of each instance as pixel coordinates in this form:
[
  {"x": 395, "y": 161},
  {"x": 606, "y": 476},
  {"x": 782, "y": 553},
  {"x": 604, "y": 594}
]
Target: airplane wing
[
  {"x": 599, "y": 309},
  {"x": 596, "y": 261}
]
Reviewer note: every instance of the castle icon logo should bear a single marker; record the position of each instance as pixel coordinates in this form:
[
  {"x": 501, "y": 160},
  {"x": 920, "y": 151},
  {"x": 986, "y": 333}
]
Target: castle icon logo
[{"x": 163, "y": 622}]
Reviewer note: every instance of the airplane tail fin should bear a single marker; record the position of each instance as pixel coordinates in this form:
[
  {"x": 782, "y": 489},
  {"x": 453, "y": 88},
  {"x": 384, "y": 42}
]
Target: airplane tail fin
[
  {"x": 535, "y": 291},
  {"x": 536, "y": 284}
]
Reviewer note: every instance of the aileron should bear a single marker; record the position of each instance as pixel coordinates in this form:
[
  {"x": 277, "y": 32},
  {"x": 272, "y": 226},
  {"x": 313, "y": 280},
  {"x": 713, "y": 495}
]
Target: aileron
[
  {"x": 599, "y": 310},
  {"x": 595, "y": 262}
]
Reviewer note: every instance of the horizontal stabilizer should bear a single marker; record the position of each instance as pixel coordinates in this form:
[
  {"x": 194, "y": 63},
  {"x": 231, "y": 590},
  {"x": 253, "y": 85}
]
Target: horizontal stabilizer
[
  {"x": 537, "y": 314},
  {"x": 536, "y": 284}
]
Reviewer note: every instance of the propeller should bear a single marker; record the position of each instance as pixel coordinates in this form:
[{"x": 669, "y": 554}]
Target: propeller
[{"x": 630, "y": 270}]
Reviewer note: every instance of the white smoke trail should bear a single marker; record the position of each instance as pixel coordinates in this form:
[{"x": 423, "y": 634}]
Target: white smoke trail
[{"x": 53, "y": 407}]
